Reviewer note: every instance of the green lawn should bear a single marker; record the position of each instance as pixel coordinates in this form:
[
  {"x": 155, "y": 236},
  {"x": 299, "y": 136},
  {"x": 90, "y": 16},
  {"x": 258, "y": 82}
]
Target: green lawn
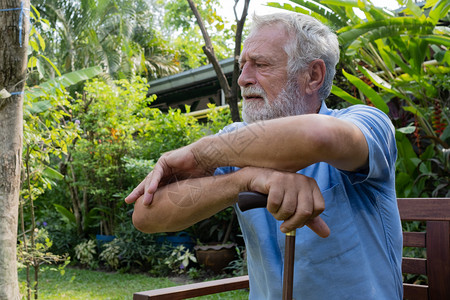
[{"x": 85, "y": 284}]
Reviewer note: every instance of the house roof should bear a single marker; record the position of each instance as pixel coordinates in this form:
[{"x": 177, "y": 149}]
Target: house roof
[{"x": 186, "y": 87}]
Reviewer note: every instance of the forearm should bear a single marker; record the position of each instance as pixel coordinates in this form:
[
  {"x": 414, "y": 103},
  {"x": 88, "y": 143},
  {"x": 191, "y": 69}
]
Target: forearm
[
  {"x": 287, "y": 144},
  {"x": 181, "y": 204},
  {"x": 293, "y": 198}
]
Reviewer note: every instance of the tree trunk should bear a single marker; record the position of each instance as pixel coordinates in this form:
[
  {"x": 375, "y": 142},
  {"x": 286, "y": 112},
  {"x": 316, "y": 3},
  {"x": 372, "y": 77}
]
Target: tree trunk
[
  {"x": 235, "y": 89},
  {"x": 14, "y": 25},
  {"x": 231, "y": 93}
]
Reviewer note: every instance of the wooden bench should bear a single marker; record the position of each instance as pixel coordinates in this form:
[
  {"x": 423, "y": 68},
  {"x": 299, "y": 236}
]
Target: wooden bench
[{"x": 436, "y": 265}]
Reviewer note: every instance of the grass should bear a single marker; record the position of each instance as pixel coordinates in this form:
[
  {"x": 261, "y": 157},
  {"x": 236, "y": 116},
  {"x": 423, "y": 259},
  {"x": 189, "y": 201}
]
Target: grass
[{"x": 86, "y": 284}]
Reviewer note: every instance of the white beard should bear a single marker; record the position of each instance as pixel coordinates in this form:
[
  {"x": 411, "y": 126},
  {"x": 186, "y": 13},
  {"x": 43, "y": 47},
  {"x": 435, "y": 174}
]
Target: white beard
[{"x": 289, "y": 102}]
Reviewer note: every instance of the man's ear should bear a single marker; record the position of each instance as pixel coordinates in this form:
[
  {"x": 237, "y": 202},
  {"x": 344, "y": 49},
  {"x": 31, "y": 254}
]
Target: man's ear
[{"x": 315, "y": 75}]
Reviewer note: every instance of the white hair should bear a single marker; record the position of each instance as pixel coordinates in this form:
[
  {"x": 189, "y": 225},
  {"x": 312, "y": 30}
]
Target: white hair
[{"x": 309, "y": 40}]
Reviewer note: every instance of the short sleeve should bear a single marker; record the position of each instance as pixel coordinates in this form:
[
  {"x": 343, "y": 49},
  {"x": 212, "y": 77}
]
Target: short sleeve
[
  {"x": 231, "y": 127},
  {"x": 380, "y": 137}
]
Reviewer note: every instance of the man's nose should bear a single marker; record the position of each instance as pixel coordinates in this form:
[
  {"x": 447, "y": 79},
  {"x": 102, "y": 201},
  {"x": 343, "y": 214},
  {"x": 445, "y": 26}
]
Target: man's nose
[{"x": 247, "y": 76}]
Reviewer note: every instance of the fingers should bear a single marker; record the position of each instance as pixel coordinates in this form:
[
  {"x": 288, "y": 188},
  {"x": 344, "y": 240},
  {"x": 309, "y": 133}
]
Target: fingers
[
  {"x": 282, "y": 204},
  {"x": 147, "y": 188},
  {"x": 298, "y": 202},
  {"x": 136, "y": 193},
  {"x": 149, "y": 185},
  {"x": 154, "y": 178},
  {"x": 304, "y": 213},
  {"x": 317, "y": 224}
]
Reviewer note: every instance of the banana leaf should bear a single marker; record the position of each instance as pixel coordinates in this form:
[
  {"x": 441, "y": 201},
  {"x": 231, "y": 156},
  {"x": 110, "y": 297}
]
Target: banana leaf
[
  {"x": 320, "y": 8},
  {"x": 65, "y": 80},
  {"x": 352, "y": 16},
  {"x": 419, "y": 50},
  {"x": 370, "y": 93},
  {"x": 381, "y": 83},
  {"x": 437, "y": 39},
  {"x": 66, "y": 214},
  {"x": 384, "y": 29},
  {"x": 372, "y": 12},
  {"x": 52, "y": 173},
  {"x": 405, "y": 68},
  {"x": 377, "y": 80},
  {"x": 439, "y": 10},
  {"x": 412, "y": 8},
  {"x": 386, "y": 62},
  {"x": 37, "y": 107},
  {"x": 338, "y": 10},
  {"x": 346, "y": 3},
  {"x": 337, "y": 91},
  {"x": 299, "y": 9}
]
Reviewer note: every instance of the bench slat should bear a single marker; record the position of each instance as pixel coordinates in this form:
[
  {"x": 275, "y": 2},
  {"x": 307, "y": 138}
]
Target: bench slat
[
  {"x": 412, "y": 265},
  {"x": 414, "y": 239},
  {"x": 195, "y": 289},
  {"x": 424, "y": 209},
  {"x": 415, "y": 292}
]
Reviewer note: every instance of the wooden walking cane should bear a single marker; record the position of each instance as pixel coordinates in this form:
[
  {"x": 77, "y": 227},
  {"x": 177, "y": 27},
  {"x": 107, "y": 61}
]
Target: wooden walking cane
[{"x": 249, "y": 200}]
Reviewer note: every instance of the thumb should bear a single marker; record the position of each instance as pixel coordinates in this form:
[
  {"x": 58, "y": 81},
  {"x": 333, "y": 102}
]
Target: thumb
[{"x": 319, "y": 227}]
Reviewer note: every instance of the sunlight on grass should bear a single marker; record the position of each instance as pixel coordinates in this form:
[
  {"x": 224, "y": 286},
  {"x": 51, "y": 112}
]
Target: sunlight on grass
[{"x": 78, "y": 284}]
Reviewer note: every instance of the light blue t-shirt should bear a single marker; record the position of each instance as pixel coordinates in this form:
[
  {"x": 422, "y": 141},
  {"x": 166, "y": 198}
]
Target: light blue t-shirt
[{"x": 361, "y": 258}]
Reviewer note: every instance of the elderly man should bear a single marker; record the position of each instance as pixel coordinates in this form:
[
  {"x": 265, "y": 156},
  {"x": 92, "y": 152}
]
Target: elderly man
[{"x": 331, "y": 170}]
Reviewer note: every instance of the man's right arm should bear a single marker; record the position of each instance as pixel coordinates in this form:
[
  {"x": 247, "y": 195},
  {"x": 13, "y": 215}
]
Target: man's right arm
[
  {"x": 292, "y": 197},
  {"x": 178, "y": 205}
]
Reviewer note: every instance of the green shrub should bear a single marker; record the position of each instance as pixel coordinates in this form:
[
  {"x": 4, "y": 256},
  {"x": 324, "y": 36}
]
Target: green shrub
[
  {"x": 180, "y": 259},
  {"x": 140, "y": 251},
  {"x": 86, "y": 253},
  {"x": 110, "y": 254}
]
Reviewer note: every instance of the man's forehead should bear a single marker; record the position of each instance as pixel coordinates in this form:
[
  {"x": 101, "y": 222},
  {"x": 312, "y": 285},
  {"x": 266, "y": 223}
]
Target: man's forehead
[
  {"x": 262, "y": 48},
  {"x": 248, "y": 55}
]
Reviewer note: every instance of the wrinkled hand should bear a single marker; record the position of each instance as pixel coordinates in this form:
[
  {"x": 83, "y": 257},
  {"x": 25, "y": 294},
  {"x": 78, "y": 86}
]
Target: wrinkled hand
[
  {"x": 294, "y": 198},
  {"x": 172, "y": 166}
]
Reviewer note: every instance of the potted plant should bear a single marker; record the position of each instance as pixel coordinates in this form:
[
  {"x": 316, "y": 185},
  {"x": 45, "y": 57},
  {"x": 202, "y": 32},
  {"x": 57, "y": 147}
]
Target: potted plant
[{"x": 216, "y": 246}]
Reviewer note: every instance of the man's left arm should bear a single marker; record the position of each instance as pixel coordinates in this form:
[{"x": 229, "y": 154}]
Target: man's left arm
[
  {"x": 292, "y": 197},
  {"x": 286, "y": 144}
]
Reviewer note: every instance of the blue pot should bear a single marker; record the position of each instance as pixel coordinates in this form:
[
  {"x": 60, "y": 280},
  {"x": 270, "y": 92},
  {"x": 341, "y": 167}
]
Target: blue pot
[
  {"x": 181, "y": 238},
  {"x": 103, "y": 239}
]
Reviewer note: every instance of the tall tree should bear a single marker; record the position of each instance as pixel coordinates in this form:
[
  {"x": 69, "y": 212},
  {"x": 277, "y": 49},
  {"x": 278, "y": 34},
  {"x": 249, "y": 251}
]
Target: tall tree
[
  {"x": 14, "y": 24},
  {"x": 231, "y": 92},
  {"x": 118, "y": 35}
]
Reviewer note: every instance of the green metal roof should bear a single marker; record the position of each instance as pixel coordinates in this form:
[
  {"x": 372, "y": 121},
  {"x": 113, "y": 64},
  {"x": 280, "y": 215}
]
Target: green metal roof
[{"x": 185, "y": 87}]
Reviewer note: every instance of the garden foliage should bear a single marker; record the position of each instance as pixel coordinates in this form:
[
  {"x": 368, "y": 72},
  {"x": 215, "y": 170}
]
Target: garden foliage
[
  {"x": 398, "y": 61},
  {"x": 89, "y": 140}
]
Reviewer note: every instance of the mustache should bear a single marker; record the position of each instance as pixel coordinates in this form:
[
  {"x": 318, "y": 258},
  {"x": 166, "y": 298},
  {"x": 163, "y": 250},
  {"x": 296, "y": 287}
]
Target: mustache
[{"x": 254, "y": 91}]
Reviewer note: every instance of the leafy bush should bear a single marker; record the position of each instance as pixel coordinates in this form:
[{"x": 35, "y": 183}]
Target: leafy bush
[
  {"x": 218, "y": 118},
  {"x": 110, "y": 254},
  {"x": 86, "y": 253},
  {"x": 61, "y": 231},
  {"x": 136, "y": 169},
  {"x": 140, "y": 251},
  {"x": 167, "y": 131},
  {"x": 108, "y": 116},
  {"x": 238, "y": 267},
  {"x": 180, "y": 259}
]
